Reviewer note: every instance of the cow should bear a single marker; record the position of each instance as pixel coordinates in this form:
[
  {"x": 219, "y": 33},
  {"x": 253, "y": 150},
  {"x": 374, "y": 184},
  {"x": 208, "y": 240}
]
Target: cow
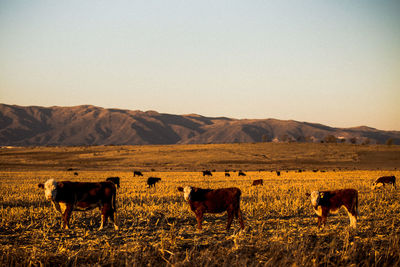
[
  {"x": 214, "y": 201},
  {"x": 115, "y": 180},
  {"x": 68, "y": 196},
  {"x": 258, "y": 182},
  {"x": 381, "y": 181},
  {"x": 207, "y": 173},
  {"x": 137, "y": 173},
  {"x": 227, "y": 174},
  {"x": 325, "y": 202},
  {"x": 151, "y": 181},
  {"x": 241, "y": 173},
  {"x": 278, "y": 173},
  {"x": 76, "y": 173}
]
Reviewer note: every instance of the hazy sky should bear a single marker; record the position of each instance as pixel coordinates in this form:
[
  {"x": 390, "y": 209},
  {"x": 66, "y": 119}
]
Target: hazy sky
[{"x": 331, "y": 62}]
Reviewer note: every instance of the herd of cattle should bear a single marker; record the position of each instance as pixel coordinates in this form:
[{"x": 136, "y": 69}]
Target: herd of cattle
[{"x": 68, "y": 196}]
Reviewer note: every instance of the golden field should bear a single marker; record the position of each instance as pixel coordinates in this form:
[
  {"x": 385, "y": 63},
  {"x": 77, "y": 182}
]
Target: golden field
[{"x": 157, "y": 228}]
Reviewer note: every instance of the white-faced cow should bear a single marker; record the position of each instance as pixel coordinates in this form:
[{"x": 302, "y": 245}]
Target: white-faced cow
[
  {"x": 325, "y": 202},
  {"x": 81, "y": 196},
  {"x": 214, "y": 201},
  {"x": 258, "y": 182},
  {"x": 115, "y": 180},
  {"x": 381, "y": 181}
]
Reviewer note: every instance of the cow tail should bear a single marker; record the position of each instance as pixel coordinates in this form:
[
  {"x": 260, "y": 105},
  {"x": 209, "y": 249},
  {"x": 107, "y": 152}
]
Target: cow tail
[
  {"x": 356, "y": 208},
  {"x": 239, "y": 193},
  {"x": 114, "y": 197}
]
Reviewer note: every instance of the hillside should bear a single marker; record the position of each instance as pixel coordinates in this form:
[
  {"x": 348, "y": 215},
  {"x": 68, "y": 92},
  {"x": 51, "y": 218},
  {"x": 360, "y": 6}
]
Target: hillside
[{"x": 91, "y": 125}]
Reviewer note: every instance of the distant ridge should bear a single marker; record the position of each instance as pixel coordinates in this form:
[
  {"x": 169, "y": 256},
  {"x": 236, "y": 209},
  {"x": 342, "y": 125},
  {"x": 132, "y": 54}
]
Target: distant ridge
[{"x": 91, "y": 125}]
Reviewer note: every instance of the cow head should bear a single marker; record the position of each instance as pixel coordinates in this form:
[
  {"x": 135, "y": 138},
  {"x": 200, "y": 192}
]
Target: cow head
[
  {"x": 50, "y": 189},
  {"x": 315, "y": 198},
  {"x": 186, "y": 191},
  {"x": 376, "y": 185}
]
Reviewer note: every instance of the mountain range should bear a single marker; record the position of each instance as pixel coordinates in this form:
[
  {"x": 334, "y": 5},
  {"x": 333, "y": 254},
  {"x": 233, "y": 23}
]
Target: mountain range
[{"x": 91, "y": 125}]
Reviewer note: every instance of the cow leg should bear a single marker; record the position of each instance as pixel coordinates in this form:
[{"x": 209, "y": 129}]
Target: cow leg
[
  {"x": 199, "y": 218},
  {"x": 352, "y": 212},
  {"x": 353, "y": 220},
  {"x": 230, "y": 218},
  {"x": 66, "y": 216},
  {"x": 319, "y": 222},
  {"x": 324, "y": 215},
  {"x": 239, "y": 215},
  {"x": 113, "y": 218},
  {"x": 105, "y": 211}
]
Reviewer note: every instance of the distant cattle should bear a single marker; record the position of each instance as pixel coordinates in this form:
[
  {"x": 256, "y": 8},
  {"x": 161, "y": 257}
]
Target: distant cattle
[
  {"x": 76, "y": 174},
  {"x": 325, "y": 202},
  {"x": 241, "y": 173},
  {"x": 227, "y": 174},
  {"x": 207, "y": 173},
  {"x": 115, "y": 180},
  {"x": 258, "y": 182},
  {"x": 214, "y": 201},
  {"x": 81, "y": 196},
  {"x": 137, "y": 173},
  {"x": 151, "y": 181},
  {"x": 278, "y": 173},
  {"x": 382, "y": 181}
]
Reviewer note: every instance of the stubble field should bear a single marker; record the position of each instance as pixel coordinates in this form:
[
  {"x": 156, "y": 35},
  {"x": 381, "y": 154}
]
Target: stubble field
[{"x": 157, "y": 228}]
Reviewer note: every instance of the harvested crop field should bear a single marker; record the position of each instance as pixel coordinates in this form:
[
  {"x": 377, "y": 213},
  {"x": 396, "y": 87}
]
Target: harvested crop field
[{"x": 157, "y": 227}]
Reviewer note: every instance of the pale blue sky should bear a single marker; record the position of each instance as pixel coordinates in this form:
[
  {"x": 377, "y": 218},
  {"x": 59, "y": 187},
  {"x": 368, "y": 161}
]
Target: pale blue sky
[{"x": 331, "y": 62}]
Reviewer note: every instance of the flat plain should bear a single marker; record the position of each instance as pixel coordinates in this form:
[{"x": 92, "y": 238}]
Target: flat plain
[{"x": 158, "y": 229}]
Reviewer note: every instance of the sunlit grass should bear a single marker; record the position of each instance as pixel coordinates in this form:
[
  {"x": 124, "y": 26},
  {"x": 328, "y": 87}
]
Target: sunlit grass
[{"x": 157, "y": 227}]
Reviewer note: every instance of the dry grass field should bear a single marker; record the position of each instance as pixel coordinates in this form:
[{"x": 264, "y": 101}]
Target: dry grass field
[{"x": 157, "y": 228}]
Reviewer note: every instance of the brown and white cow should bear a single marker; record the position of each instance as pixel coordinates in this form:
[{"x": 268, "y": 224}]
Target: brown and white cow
[
  {"x": 325, "y": 202},
  {"x": 68, "y": 196},
  {"x": 258, "y": 182},
  {"x": 381, "y": 181},
  {"x": 214, "y": 201}
]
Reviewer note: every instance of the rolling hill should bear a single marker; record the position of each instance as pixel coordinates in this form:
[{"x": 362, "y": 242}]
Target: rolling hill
[{"x": 91, "y": 125}]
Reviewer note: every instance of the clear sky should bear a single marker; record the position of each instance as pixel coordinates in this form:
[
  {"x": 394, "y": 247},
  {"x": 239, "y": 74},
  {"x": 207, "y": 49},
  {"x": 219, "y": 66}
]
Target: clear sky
[{"x": 330, "y": 62}]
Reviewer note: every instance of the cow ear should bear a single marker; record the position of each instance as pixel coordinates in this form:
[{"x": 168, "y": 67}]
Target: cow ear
[
  {"x": 41, "y": 185},
  {"x": 180, "y": 188},
  {"x": 60, "y": 184}
]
